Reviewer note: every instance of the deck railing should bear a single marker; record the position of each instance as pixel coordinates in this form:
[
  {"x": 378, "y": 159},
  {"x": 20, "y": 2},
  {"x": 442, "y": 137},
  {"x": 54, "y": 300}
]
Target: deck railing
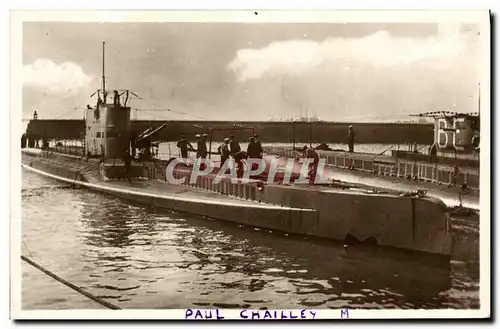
[{"x": 402, "y": 168}]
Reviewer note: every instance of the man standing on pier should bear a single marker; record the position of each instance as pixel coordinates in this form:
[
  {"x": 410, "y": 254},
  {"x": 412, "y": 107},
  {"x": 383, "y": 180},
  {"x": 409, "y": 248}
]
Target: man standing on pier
[{"x": 350, "y": 139}]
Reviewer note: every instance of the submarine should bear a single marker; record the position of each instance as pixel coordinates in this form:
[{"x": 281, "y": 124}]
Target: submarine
[{"x": 333, "y": 210}]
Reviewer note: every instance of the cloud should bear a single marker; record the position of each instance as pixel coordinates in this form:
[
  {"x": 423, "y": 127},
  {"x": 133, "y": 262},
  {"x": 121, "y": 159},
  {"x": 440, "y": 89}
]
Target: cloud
[
  {"x": 380, "y": 49},
  {"x": 67, "y": 77}
]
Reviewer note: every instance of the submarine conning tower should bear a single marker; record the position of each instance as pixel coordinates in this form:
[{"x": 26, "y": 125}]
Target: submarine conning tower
[
  {"x": 107, "y": 128},
  {"x": 107, "y": 125}
]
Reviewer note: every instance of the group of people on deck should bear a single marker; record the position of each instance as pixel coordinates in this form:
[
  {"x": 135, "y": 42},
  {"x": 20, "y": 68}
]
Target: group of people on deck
[
  {"x": 185, "y": 146},
  {"x": 229, "y": 148}
]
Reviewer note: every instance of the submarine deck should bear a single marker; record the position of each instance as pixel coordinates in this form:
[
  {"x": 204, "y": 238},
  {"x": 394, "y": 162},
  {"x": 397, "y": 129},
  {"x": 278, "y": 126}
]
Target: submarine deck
[{"x": 449, "y": 195}]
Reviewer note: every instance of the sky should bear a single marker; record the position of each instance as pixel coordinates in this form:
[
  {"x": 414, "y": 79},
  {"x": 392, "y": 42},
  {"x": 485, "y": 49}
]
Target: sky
[{"x": 243, "y": 71}]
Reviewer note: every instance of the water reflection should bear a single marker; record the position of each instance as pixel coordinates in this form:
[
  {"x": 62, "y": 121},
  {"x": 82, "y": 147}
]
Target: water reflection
[
  {"x": 113, "y": 224},
  {"x": 243, "y": 259},
  {"x": 360, "y": 274}
]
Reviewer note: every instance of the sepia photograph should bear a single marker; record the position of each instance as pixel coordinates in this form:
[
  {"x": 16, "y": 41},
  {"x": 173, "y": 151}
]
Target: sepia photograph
[{"x": 250, "y": 165}]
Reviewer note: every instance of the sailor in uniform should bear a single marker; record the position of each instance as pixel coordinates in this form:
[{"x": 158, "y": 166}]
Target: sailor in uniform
[
  {"x": 224, "y": 152},
  {"x": 309, "y": 153},
  {"x": 184, "y": 146}
]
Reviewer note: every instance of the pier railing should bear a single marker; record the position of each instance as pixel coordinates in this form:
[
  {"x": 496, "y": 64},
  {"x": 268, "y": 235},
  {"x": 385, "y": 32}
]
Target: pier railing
[
  {"x": 241, "y": 189},
  {"x": 245, "y": 189}
]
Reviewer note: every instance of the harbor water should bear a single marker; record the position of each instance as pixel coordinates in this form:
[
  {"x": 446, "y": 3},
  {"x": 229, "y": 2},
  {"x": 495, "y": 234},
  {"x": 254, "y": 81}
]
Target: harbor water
[{"x": 144, "y": 258}]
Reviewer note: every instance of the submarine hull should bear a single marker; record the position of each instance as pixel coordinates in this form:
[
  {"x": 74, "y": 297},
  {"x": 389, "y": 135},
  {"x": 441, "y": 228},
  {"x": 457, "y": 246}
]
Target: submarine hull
[{"x": 420, "y": 224}]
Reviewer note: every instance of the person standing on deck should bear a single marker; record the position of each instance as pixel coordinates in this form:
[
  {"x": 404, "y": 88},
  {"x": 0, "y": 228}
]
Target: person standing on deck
[
  {"x": 309, "y": 153},
  {"x": 127, "y": 159},
  {"x": 224, "y": 152},
  {"x": 254, "y": 151},
  {"x": 116, "y": 98},
  {"x": 202, "y": 146},
  {"x": 201, "y": 151},
  {"x": 259, "y": 145},
  {"x": 234, "y": 146},
  {"x": 205, "y": 136},
  {"x": 350, "y": 139},
  {"x": 45, "y": 143},
  {"x": 133, "y": 138},
  {"x": 103, "y": 156},
  {"x": 23, "y": 141},
  {"x": 237, "y": 154},
  {"x": 433, "y": 153},
  {"x": 198, "y": 137},
  {"x": 184, "y": 146},
  {"x": 475, "y": 142}
]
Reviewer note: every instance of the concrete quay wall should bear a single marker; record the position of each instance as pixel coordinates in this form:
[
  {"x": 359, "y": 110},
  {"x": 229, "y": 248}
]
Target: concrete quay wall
[{"x": 270, "y": 132}]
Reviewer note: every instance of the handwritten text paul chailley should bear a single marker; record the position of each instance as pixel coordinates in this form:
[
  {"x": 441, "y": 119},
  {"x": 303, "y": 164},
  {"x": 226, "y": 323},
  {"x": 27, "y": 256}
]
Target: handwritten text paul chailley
[{"x": 246, "y": 314}]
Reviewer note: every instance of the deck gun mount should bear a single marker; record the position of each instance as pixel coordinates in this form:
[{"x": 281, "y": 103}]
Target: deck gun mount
[{"x": 146, "y": 142}]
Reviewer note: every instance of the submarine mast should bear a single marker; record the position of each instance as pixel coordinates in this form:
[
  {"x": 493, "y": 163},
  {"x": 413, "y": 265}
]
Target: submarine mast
[{"x": 103, "y": 75}]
